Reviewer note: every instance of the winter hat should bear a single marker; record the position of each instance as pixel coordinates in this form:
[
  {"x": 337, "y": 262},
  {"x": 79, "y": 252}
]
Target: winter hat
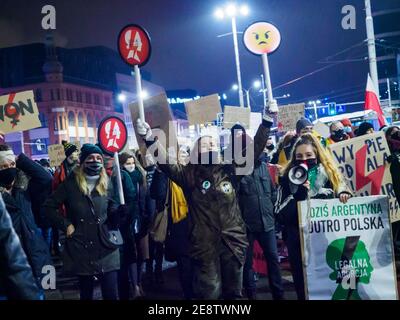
[
  {"x": 69, "y": 148},
  {"x": 363, "y": 128},
  {"x": 88, "y": 149},
  {"x": 346, "y": 122},
  {"x": 302, "y": 123}
]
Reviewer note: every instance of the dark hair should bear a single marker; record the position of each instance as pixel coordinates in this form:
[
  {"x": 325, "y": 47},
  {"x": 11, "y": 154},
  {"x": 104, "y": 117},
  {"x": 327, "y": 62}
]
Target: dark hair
[
  {"x": 4, "y": 147},
  {"x": 123, "y": 158}
]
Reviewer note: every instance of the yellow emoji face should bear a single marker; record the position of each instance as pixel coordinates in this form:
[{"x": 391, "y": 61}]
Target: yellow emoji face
[{"x": 261, "y": 37}]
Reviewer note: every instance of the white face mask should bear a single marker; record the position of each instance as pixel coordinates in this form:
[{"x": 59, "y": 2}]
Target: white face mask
[{"x": 129, "y": 167}]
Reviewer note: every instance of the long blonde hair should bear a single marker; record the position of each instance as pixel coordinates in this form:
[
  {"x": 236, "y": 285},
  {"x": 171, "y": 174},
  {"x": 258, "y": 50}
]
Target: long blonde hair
[
  {"x": 323, "y": 157},
  {"x": 101, "y": 186}
]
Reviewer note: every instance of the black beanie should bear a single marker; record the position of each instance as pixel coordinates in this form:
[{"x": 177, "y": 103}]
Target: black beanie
[
  {"x": 302, "y": 123},
  {"x": 88, "y": 149},
  {"x": 69, "y": 148},
  {"x": 363, "y": 128}
]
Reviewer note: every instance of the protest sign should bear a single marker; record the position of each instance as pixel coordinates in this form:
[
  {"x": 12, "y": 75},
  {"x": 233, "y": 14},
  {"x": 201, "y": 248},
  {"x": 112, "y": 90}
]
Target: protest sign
[
  {"x": 18, "y": 112},
  {"x": 56, "y": 154},
  {"x": 322, "y": 129},
  {"x": 234, "y": 115},
  {"x": 288, "y": 116},
  {"x": 363, "y": 162},
  {"x": 159, "y": 116},
  {"x": 347, "y": 249},
  {"x": 203, "y": 110}
]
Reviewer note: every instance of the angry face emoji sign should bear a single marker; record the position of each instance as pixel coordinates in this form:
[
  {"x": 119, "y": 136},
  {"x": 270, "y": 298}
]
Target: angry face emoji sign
[{"x": 261, "y": 37}]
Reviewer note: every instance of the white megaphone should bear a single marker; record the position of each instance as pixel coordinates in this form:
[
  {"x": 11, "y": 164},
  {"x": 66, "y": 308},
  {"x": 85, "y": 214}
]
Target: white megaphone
[{"x": 298, "y": 175}]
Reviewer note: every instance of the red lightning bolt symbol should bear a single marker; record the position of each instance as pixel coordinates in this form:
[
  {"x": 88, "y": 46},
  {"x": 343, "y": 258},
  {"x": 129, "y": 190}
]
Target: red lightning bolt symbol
[{"x": 375, "y": 177}]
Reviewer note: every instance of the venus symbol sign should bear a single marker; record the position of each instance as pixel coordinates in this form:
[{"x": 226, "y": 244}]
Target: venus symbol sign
[
  {"x": 112, "y": 135},
  {"x": 134, "y": 45}
]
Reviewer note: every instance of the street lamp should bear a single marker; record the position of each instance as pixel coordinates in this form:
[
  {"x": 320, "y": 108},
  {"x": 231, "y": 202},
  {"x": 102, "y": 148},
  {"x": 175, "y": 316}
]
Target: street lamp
[
  {"x": 121, "y": 97},
  {"x": 232, "y": 10},
  {"x": 256, "y": 85}
]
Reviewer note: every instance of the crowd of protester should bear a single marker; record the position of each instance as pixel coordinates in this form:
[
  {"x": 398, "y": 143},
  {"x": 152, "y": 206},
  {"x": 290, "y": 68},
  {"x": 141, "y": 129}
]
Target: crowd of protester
[{"x": 214, "y": 215}]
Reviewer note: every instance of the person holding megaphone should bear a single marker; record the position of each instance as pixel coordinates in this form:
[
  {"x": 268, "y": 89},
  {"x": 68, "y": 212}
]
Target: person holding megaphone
[{"x": 310, "y": 173}]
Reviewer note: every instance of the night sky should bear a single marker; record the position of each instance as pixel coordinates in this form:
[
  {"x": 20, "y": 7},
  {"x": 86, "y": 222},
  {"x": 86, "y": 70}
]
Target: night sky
[{"x": 187, "y": 53}]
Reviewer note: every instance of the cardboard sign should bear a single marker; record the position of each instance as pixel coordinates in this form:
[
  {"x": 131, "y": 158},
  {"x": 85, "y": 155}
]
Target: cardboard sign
[
  {"x": 347, "y": 249},
  {"x": 322, "y": 129},
  {"x": 18, "y": 112},
  {"x": 288, "y": 116},
  {"x": 203, "y": 110},
  {"x": 56, "y": 154},
  {"x": 363, "y": 162},
  {"x": 159, "y": 116},
  {"x": 234, "y": 115}
]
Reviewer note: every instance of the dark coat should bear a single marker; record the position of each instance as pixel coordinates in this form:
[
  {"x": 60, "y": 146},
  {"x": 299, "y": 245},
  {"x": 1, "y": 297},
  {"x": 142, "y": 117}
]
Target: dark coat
[
  {"x": 87, "y": 252},
  {"x": 126, "y": 222},
  {"x": 288, "y": 196},
  {"x": 210, "y": 191},
  {"x": 394, "y": 160},
  {"x": 19, "y": 205},
  {"x": 177, "y": 240},
  {"x": 16, "y": 278},
  {"x": 257, "y": 196}
]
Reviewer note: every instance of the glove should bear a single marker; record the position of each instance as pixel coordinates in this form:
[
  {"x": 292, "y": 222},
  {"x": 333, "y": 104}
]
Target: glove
[{"x": 143, "y": 129}]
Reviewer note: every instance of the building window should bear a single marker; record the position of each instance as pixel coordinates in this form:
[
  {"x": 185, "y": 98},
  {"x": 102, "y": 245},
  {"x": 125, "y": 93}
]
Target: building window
[
  {"x": 79, "y": 96},
  {"x": 80, "y": 120},
  {"x": 88, "y": 98},
  {"x": 58, "y": 94},
  {"x": 61, "y": 123},
  {"x": 38, "y": 93},
  {"x": 96, "y": 99},
  {"x": 107, "y": 101},
  {"x": 90, "y": 122},
  {"x": 51, "y": 95},
  {"x": 71, "y": 119},
  {"x": 43, "y": 120},
  {"x": 55, "y": 124}
]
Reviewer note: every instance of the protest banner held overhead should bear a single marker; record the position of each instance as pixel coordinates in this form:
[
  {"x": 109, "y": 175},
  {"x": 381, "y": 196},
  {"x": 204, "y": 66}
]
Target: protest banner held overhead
[
  {"x": 234, "y": 115},
  {"x": 363, "y": 162},
  {"x": 18, "y": 112},
  {"x": 203, "y": 110},
  {"x": 347, "y": 249},
  {"x": 288, "y": 116}
]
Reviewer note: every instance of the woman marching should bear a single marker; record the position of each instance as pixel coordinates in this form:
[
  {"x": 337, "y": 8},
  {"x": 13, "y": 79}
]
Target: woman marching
[
  {"x": 86, "y": 195},
  {"x": 324, "y": 182}
]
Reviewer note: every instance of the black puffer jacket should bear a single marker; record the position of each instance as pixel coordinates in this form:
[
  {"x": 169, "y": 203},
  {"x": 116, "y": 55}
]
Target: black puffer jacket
[
  {"x": 19, "y": 206},
  {"x": 257, "y": 196},
  {"x": 87, "y": 252},
  {"x": 16, "y": 278}
]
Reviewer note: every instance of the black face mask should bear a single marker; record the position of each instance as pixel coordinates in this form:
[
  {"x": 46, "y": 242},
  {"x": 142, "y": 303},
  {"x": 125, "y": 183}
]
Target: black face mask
[
  {"x": 270, "y": 147},
  {"x": 7, "y": 177},
  {"x": 338, "y": 134},
  {"x": 311, "y": 163},
  {"x": 93, "y": 168}
]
